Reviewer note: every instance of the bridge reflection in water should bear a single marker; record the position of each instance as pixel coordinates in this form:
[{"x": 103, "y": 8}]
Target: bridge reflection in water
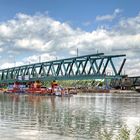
[{"x": 80, "y": 117}]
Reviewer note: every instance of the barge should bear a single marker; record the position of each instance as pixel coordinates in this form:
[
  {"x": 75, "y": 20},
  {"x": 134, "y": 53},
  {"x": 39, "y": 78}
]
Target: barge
[{"x": 36, "y": 88}]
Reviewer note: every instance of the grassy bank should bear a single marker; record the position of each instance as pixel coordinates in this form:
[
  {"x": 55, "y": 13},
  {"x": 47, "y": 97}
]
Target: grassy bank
[{"x": 77, "y": 83}]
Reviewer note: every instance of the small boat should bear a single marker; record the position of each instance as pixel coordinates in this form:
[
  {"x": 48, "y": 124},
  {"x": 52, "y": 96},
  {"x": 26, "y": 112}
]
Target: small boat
[{"x": 15, "y": 88}]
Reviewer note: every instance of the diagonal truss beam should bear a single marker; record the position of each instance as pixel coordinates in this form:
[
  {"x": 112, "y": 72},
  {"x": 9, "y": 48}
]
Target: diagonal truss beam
[{"x": 135, "y": 80}]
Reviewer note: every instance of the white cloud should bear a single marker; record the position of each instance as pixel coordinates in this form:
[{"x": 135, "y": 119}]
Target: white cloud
[
  {"x": 28, "y": 60},
  {"x": 28, "y": 37},
  {"x": 105, "y": 17},
  {"x": 109, "y": 17},
  {"x": 5, "y": 30},
  {"x": 1, "y": 49},
  {"x": 129, "y": 25},
  {"x": 10, "y": 65},
  {"x": 87, "y": 23},
  {"x": 117, "y": 11},
  {"x": 39, "y": 58},
  {"x": 73, "y": 52},
  {"x": 32, "y": 43}
]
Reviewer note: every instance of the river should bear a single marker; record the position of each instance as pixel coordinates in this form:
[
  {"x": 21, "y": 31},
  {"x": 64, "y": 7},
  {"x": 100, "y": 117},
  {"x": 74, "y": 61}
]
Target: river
[{"x": 84, "y": 116}]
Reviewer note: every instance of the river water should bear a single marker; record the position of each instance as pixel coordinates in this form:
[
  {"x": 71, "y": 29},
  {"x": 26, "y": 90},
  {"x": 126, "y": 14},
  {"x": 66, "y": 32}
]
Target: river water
[{"x": 85, "y": 116}]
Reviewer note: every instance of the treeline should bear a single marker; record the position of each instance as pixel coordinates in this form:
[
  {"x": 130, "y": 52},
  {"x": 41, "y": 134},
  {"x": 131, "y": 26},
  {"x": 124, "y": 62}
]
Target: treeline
[{"x": 77, "y": 83}]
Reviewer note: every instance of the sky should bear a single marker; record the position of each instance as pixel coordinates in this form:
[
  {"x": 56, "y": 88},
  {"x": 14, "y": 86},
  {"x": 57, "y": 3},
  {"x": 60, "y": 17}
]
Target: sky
[{"x": 54, "y": 29}]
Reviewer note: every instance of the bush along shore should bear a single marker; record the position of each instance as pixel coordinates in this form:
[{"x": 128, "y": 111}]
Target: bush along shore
[{"x": 124, "y": 134}]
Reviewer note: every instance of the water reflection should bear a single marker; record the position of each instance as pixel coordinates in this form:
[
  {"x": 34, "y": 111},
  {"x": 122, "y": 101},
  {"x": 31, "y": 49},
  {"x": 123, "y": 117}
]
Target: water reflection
[{"x": 79, "y": 117}]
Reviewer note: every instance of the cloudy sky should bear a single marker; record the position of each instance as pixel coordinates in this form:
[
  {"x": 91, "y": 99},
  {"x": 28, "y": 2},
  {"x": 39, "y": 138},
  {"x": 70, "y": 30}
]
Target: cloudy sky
[{"x": 33, "y": 31}]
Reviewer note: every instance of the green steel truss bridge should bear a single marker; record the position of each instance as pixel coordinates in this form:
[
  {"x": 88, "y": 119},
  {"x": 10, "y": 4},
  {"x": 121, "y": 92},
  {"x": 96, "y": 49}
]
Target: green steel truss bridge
[
  {"x": 94, "y": 66},
  {"x": 135, "y": 80}
]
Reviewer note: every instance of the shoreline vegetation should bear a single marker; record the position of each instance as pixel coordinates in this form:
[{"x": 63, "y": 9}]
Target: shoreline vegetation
[
  {"x": 88, "y": 86},
  {"x": 123, "y": 134},
  {"x": 91, "y": 86}
]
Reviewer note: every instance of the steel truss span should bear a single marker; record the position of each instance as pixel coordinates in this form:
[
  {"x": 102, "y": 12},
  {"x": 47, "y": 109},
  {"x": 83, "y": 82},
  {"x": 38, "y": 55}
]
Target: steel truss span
[
  {"x": 135, "y": 80},
  {"x": 93, "y": 66}
]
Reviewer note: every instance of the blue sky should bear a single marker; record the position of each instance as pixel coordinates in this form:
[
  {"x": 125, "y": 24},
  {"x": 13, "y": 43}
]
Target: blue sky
[
  {"x": 48, "y": 29},
  {"x": 76, "y": 12}
]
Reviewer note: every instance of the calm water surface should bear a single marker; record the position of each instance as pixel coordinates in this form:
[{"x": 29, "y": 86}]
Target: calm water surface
[{"x": 24, "y": 117}]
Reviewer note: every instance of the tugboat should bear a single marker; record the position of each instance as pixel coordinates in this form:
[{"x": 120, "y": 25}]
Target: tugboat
[
  {"x": 15, "y": 88},
  {"x": 36, "y": 88},
  {"x": 58, "y": 90}
]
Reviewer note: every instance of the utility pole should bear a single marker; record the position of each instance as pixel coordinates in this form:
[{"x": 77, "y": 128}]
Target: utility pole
[
  {"x": 77, "y": 52},
  {"x": 39, "y": 59},
  {"x": 14, "y": 61}
]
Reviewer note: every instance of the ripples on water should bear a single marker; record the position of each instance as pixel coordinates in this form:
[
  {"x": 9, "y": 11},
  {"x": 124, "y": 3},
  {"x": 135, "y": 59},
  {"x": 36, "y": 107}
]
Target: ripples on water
[{"x": 26, "y": 117}]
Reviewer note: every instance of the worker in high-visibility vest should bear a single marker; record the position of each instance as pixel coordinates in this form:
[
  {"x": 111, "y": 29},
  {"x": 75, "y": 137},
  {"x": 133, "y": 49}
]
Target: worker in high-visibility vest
[
  {"x": 54, "y": 84},
  {"x": 37, "y": 84}
]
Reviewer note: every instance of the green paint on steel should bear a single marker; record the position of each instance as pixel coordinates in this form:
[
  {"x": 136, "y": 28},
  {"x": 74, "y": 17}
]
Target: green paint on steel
[
  {"x": 135, "y": 80},
  {"x": 76, "y": 68}
]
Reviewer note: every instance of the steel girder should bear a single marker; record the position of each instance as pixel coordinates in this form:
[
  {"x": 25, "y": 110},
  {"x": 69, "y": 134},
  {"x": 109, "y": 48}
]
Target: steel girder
[
  {"x": 92, "y": 66},
  {"x": 135, "y": 80}
]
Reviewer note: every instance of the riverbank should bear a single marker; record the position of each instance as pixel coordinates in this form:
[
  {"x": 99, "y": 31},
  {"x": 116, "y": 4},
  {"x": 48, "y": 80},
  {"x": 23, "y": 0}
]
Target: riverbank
[
  {"x": 123, "y": 91},
  {"x": 94, "y": 90}
]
